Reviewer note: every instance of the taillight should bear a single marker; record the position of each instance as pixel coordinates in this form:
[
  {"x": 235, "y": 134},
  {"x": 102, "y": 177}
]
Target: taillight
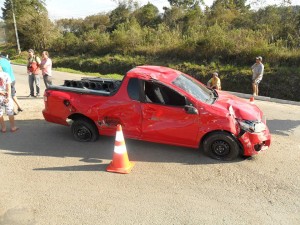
[{"x": 46, "y": 96}]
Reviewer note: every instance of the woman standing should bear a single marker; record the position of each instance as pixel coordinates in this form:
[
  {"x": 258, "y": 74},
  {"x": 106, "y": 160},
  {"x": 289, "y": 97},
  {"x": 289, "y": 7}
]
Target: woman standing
[
  {"x": 46, "y": 67},
  {"x": 6, "y": 67},
  {"x": 6, "y": 102}
]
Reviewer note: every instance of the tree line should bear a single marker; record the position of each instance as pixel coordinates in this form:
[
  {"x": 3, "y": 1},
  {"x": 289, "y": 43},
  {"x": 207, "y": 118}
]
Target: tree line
[{"x": 227, "y": 31}]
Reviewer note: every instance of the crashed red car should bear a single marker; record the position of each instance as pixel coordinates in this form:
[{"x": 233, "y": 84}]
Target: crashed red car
[{"x": 162, "y": 105}]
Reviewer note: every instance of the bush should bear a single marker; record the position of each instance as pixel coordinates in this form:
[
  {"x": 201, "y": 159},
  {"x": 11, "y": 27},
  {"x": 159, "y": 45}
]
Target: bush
[{"x": 104, "y": 65}]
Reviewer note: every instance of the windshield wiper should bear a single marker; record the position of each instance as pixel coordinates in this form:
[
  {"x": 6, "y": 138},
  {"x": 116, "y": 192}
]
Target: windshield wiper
[{"x": 215, "y": 95}]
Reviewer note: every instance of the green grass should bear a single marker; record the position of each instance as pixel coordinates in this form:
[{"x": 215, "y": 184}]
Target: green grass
[{"x": 19, "y": 61}]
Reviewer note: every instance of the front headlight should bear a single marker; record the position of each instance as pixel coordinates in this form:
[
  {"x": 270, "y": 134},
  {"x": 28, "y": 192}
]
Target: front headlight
[{"x": 252, "y": 126}]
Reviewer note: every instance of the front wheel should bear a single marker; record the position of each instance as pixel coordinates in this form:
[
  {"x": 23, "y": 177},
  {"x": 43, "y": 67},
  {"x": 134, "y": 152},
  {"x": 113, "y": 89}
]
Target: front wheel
[
  {"x": 84, "y": 130},
  {"x": 221, "y": 146}
]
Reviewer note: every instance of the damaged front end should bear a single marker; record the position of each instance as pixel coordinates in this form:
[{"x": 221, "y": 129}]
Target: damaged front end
[{"x": 254, "y": 135}]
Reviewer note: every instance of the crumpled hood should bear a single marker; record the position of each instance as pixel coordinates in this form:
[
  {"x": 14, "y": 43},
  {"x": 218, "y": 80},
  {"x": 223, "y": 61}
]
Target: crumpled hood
[{"x": 242, "y": 108}]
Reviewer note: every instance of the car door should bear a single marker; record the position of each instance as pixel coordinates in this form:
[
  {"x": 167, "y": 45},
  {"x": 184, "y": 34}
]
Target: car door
[
  {"x": 123, "y": 108},
  {"x": 164, "y": 118}
]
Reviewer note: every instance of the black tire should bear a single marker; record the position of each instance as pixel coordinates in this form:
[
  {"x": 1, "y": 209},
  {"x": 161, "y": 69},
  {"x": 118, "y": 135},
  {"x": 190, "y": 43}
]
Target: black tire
[
  {"x": 84, "y": 130},
  {"x": 221, "y": 146}
]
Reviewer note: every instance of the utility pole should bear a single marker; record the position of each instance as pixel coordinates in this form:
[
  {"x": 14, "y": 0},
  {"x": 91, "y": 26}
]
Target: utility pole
[{"x": 16, "y": 29}]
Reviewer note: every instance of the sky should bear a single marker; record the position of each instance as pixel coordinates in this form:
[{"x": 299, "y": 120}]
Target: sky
[
  {"x": 82, "y": 8},
  {"x": 58, "y": 9}
]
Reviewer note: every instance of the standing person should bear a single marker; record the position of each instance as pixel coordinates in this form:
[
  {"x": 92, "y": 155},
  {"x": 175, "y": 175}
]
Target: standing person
[
  {"x": 6, "y": 67},
  {"x": 6, "y": 102},
  {"x": 46, "y": 67},
  {"x": 214, "y": 82},
  {"x": 33, "y": 73},
  {"x": 258, "y": 72}
]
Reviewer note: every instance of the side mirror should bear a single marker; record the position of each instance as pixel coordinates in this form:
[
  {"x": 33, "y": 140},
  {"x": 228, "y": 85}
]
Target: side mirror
[{"x": 190, "y": 109}]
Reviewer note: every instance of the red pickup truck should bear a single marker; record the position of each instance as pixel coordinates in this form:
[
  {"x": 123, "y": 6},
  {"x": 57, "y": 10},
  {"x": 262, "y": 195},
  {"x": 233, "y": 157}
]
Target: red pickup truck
[{"x": 162, "y": 105}]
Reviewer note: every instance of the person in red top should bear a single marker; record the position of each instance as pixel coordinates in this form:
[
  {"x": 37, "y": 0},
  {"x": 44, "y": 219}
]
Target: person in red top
[
  {"x": 33, "y": 70},
  {"x": 46, "y": 67}
]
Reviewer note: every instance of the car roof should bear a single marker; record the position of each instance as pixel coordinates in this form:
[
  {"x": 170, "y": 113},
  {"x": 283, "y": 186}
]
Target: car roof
[{"x": 149, "y": 72}]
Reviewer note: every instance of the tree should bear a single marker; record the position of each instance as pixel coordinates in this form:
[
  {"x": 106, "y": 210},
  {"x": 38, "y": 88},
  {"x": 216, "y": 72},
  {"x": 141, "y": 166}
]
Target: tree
[
  {"x": 99, "y": 22},
  {"x": 34, "y": 27},
  {"x": 279, "y": 25},
  {"x": 127, "y": 36},
  {"x": 239, "y": 5},
  {"x": 122, "y": 13},
  {"x": 2, "y": 32},
  {"x": 74, "y": 26},
  {"x": 148, "y": 15},
  {"x": 185, "y": 4},
  {"x": 184, "y": 15},
  {"x": 227, "y": 12}
]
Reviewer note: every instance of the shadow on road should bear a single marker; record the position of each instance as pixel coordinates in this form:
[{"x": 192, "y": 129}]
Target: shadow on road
[
  {"x": 94, "y": 167},
  {"x": 31, "y": 98},
  {"x": 282, "y": 127},
  {"x": 40, "y": 138}
]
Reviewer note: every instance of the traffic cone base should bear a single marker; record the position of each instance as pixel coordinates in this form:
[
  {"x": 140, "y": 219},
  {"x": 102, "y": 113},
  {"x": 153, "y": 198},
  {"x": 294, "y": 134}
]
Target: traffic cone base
[
  {"x": 120, "y": 162},
  {"x": 112, "y": 168}
]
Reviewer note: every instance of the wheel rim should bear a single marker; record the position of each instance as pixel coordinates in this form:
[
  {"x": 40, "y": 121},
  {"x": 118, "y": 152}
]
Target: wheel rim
[
  {"x": 220, "y": 148},
  {"x": 83, "y": 133}
]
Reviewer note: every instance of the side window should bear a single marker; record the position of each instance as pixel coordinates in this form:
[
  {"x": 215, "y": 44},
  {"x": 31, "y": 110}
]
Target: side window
[
  {"x": 158, "y": 93},
  {"x": 133, "y": 89}
]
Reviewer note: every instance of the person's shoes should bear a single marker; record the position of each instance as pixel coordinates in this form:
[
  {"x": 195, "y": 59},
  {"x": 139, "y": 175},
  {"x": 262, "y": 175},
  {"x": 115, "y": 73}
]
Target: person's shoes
[
  {"x": 37, "y": 95},
  {"x": 15, "y": 113},
  {"x": 14, "y": 130},
  {"x": 30, "y": 96},
  {"x": 20, "y": 110}
]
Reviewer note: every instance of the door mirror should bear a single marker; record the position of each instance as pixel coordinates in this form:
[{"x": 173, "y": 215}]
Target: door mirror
[{"x": 190, "y": 109}]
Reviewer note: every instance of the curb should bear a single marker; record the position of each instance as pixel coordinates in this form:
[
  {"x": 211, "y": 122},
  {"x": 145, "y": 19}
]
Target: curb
[{"x": 264, "y": 98}]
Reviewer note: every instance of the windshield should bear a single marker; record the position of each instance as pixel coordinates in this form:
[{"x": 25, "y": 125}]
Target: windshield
[{"x": 194, "y": 88}]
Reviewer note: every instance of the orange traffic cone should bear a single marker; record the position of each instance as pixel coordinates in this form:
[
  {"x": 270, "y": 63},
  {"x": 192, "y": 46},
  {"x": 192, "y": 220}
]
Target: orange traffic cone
[
  {"x": 120, "y": 162},
  {"x": 252, "y": 100}
]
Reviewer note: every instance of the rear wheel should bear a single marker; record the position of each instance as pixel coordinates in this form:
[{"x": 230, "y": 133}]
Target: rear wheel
[
  {"x": 84, "y": 130},
  {"x": 221, "y": 146}
]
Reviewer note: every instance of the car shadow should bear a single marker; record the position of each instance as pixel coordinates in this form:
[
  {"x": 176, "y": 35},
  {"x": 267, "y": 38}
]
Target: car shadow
[
  {"x": 282, "y": 127},
  {"x": 40, "y": 138}
]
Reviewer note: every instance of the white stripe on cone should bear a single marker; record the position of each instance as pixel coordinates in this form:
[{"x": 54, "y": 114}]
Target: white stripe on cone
[
  {"x": 120, "y": 149},
  {"x": 119, "y": 136}
]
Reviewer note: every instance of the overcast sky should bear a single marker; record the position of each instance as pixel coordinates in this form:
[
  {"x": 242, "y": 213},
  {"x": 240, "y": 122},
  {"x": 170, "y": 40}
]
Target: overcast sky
[{"x": 81, "y": 8}]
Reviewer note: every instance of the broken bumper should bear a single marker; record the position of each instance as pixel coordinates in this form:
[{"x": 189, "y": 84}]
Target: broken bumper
[{"x": 253, "y": 143}]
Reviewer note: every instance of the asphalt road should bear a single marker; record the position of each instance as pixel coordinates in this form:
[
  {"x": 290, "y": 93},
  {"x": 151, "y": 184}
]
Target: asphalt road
[{"x": 48, "y": 178}]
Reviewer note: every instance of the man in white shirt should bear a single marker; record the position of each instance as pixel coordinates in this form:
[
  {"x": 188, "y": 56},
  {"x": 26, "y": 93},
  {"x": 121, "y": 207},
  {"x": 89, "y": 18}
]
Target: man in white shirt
[
  {"x": 46, "y": 67},
  {"x": 258, "y": 72}
]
